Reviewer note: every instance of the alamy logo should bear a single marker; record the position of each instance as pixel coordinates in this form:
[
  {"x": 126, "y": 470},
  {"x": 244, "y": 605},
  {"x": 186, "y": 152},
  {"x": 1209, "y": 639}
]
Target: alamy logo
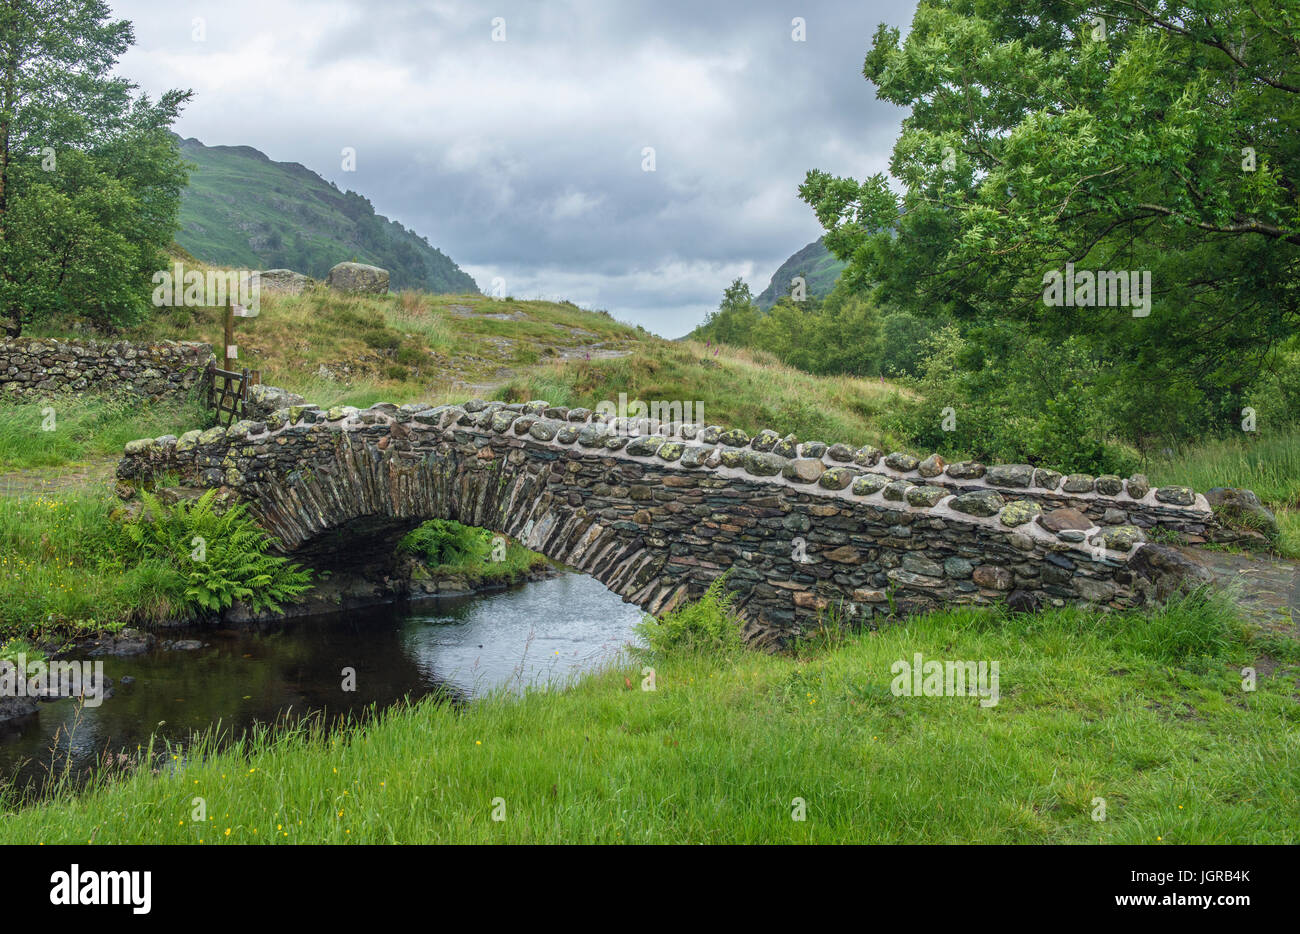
[
  {"x": 179, "y": 288},
  {"x": 1103, "y": 289},
  {"x": 919, "y": 678},
  {"x": 649, "y": 418},
  {"x": 38, "y": 678},
  {"x": 90, "y": 887}
]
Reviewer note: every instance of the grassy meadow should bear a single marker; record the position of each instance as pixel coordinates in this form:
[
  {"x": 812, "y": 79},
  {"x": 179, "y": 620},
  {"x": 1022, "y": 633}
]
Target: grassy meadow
[{"x": 1144, "y": 714}]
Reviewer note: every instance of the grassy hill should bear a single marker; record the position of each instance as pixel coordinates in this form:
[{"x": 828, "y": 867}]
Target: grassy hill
[
  {"x": 815, "y": 263},
  {"x": 411, "y": 346},
  {"x": 242, "y": 210}
]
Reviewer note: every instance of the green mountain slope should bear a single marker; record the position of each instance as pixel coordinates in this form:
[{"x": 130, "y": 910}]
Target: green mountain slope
[
  {"x": 815, "y": 263},
  {"x": 243, "y": 210}
]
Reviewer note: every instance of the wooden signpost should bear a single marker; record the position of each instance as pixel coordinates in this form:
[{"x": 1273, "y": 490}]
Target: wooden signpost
[
  {"x": 234, "y": 311},
  {"x": 229, "y": 388}
]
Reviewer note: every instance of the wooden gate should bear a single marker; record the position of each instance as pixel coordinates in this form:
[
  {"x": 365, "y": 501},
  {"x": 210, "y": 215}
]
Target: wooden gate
[{"x": 228, "y": 393}]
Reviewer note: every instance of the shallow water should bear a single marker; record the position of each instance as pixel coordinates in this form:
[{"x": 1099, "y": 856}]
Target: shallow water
[{"x": 538, "y": 633}]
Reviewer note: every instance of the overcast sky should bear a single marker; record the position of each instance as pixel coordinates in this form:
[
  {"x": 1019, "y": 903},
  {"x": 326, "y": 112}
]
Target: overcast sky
[{"x": 523, "y": 159}]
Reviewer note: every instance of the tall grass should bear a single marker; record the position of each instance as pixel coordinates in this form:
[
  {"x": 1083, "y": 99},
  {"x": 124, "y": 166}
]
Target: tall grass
[
  {"x": 63, "y": 568},
  {"x": 414, "y": 313},
  {"x": 69, "y": 565},
  {"x": 404, "y": 347},
  {"x": 1154, "y": 722},
  {"x": 1268, "y": 465}
]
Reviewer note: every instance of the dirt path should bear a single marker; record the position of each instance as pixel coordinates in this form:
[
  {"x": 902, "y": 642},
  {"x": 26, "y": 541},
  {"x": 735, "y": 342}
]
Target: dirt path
[
  {"x": 1267, "y": 589},
  {"x": 36, "y": 481}
]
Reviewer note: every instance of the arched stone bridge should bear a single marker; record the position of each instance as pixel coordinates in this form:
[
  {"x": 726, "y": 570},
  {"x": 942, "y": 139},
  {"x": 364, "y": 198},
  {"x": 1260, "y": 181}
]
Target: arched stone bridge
[{"x": 798, "y": 527}]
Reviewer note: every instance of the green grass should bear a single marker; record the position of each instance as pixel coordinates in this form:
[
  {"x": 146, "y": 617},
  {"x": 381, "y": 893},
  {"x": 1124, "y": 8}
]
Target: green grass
[
  {"x": 447, "y": 548},
  {"x": 517, "y": 562},
  {"x": 67, "y": 569},
  {"x": 357, "y": 350},
  {"x": 86, "y": 427},
  {"x": 72, "y": 565},
  {"x": 337, "y": 349},
  {"x": 1288, "y": 524},
  {"x": 1147, "y": 713},
  {"x": 1268, "y": 465},
  {"x": 63, "y": 569}
]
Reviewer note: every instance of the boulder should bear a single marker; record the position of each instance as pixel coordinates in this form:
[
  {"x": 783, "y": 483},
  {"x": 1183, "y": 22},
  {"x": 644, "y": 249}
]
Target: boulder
[
  {"x": 1078, "y": 483},
  {"x": 1176, "y": 495},
  {"x": 1009, "y": 475},
  {"x": 965, "y": 470},
  {"x": 358, "y": 278},
  {"x": 263, "y": 400},
  {"x": 1242, "y": 509},
  {"x": 283, "y": 281},
  {"x": 978, "y": 503},
  {"x": 1059, "y": 520},
  {"x": 932, "y": 466},
  {"x": 1019, "y": 512},
  {"x": 902, "y": 462},
  {"x": 15, "y": 708},
  {"x": 1163, "y": 572},
  {"x": 804, "y": 470},
  {"x": 1118, "y": 537},
  {"x": 925, "y": 496},
  {"x": 992, "y": 577}
]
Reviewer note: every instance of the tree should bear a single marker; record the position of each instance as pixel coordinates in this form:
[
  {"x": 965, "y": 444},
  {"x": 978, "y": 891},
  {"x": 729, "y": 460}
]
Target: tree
[
  {"x": 1114, "y": 136},
  {"x": 734, "y": 321},
  {"x": 90, "y": 178}
]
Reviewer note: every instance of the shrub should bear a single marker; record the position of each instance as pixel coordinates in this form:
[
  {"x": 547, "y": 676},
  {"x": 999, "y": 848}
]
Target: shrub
[
  {"x": 709, "y": 624},
  {"x": 382, "y": 339},
  {"x": 1044, "y": 407}
]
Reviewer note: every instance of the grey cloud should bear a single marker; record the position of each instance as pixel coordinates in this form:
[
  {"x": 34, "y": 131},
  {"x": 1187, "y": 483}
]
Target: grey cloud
[{"x": 522, "y": 159}]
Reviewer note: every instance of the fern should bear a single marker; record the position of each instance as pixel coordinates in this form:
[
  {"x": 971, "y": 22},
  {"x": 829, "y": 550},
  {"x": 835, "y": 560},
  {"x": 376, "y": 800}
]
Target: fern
[
  {"x": 223, "y": 556},
  {"x": 442, "y": 541}
]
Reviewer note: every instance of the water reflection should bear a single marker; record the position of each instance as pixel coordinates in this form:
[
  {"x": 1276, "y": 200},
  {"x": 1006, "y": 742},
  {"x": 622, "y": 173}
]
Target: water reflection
[{"x": 539, "y": 633}]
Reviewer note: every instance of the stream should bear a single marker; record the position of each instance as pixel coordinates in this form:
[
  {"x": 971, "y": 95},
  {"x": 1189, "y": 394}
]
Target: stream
[{"x": 538, "y": 633}]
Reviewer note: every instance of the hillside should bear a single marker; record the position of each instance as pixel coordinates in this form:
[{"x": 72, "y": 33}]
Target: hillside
[
  {"x": 815, "y": 263},
  {"x": 243, "y": 210}
]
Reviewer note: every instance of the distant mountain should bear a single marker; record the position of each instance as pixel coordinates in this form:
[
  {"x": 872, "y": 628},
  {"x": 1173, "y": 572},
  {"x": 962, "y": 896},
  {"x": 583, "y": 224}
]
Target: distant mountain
[
  {"x": 243, "y": 210},
  {"x": 815, "y": 263}
]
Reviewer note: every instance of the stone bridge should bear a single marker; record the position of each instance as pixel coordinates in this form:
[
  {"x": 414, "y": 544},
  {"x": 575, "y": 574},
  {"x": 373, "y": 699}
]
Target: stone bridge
[{"x": 799, "y": 528}]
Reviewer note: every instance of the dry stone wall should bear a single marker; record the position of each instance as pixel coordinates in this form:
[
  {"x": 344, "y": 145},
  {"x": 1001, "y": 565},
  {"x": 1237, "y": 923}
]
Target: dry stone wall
[
  {"x": 36, "y": 367},
  {"x": 797, "y": 528}
]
